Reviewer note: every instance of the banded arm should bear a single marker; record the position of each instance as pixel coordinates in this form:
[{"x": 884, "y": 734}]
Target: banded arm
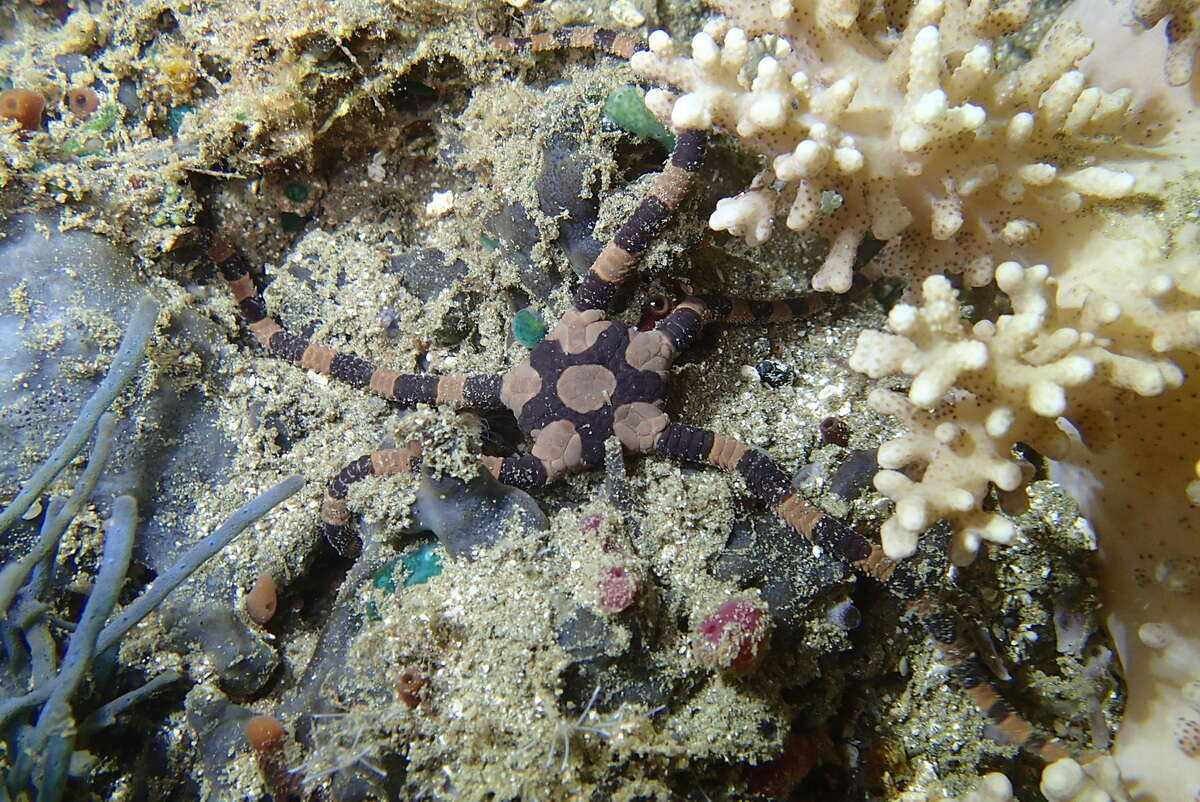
[
  {"x": 619, "y": 258},
  {"x": 772, "y": 486},
  {"x": 335, "y": 515},
  {"x": 481, "y": 391},
  {"x": 966, "y": 669},
  {"x": 525, "y": 471},
  {"x": 615, "y": 43},
  {"x": 682, "y": 325}
]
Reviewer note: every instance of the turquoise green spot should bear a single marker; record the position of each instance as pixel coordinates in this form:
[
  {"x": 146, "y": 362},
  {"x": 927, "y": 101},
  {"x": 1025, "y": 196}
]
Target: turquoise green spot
[
  {"x": 372, "y": 612},
  {"x": 422, "y": 564},
  {"x": 626, "y": 107},
  {"x": 528, "y": 327},
  {"x": 291, "y": 223},
  {"x": 830, "y": 201},
  {"x": 176, "y": 117},
  {"x": 5, "y": 83},
  {"x": 488, "y": 242},
  {"x": 384, "y": 579},
  {"x": 296, "y": 193}
]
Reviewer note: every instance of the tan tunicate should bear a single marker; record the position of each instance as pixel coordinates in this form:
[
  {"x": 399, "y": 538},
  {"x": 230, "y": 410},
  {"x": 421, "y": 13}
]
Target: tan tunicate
[{"x": 262, "y": 600}]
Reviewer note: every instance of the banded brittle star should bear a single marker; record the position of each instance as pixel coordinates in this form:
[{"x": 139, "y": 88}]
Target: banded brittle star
[{"x": 594, "y": 378}]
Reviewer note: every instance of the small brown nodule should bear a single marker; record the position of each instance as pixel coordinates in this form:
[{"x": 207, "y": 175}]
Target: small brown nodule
[
  {"x": 834, "y": 431},
  {"x": 410, "y": 686},
  {"x": 24, "y": 106},
  {"x": 262, "y": 600},
  {"x": 82, "y": 101},
  {"x": 219, "y": 250},
  {"x": 264, "y": 733},
  {"x": 267, "y": 738}
]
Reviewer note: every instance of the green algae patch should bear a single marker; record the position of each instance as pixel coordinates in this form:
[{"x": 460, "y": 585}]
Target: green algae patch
[
  {"x": 626, "y": 107},
  {"x": 528, "y": 327}
]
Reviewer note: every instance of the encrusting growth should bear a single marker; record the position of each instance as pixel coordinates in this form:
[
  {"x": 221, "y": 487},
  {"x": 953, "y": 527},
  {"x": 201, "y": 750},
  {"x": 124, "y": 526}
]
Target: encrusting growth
[
  {"x": 594, "y": 378},
  {"x": 1182, "y": 32}
]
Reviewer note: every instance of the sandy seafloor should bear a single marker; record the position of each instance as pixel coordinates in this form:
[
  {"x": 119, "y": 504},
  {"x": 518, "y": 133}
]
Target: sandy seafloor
[{"x": 372, "y": 108}]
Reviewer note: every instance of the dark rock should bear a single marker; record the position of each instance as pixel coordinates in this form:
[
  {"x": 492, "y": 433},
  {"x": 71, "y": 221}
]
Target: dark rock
[
  {"x": 72, "y": 283},
  {"x": 467, "y": 516},
  {"x": 517, "y": 235},
  {"x": 127, "y": 96},
  {"x": 425, "y": 272},
  {"x": 218, "y": 731},
  {"x": 568, "y": 191},
  {"x": 586, "y": 635},
  {"x": 775, "y": 374},
  {"x": 765, "y": 553},
  {"x": 242, "y": 659},
  {"x": 854, "y": 475}
]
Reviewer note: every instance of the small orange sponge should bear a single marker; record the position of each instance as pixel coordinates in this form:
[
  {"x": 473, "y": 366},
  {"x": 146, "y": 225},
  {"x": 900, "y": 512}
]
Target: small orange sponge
[{"x": 24, "y": 106}]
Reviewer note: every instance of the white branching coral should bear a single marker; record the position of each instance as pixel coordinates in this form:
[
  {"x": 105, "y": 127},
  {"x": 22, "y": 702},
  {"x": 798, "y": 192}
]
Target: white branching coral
[
  {"x": 891, "y": 120},
  {"x": 1065, "y": 352},
  {"x": 1068, "y": 781},
  {"x": 908, "y": 134},
  {"x": 1090, "y": 368},
  {"x": 1182, "y": 31},
  {"x": 1097, "y": 780}
]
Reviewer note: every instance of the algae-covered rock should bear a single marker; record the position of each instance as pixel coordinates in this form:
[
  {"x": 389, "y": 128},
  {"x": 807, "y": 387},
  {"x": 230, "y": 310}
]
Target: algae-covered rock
[
  {"x": 467, "y": 516},
  {"x": 64, "y": 296}
]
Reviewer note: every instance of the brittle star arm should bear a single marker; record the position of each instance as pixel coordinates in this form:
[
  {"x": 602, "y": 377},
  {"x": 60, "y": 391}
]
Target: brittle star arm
[
  {"x": 766, "y": 480},
  {"x": 481, "y": 391},
  {"x": 526, "y": 472},
  {"x": 621, "y": 255},
  {"x": 683, "y": 324},
  {"x": 771, "y": 485},
  {"x": 616, "y": 43},
  {"x": 614, "y": 264},
  {"x": 335, "y": 515}
]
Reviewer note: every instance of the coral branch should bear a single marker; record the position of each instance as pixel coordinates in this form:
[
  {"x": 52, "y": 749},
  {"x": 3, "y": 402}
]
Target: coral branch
[{"x": 915, "y": 133}]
